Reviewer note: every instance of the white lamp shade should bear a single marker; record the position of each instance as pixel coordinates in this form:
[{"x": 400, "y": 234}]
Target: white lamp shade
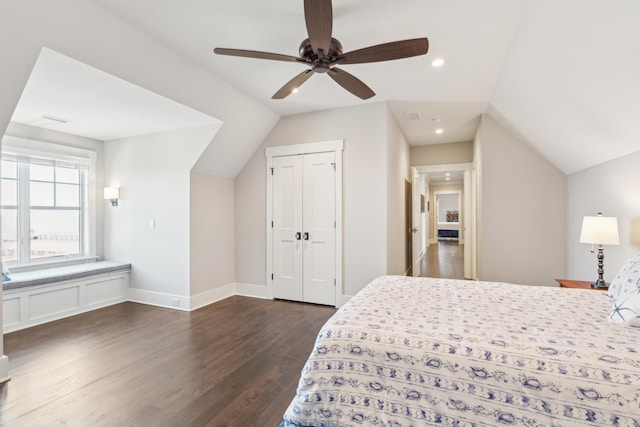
[
  {"x": 635, "y": 231},
  {"x": 600, "y": 230},
  {"x": 111, "y": 193}
]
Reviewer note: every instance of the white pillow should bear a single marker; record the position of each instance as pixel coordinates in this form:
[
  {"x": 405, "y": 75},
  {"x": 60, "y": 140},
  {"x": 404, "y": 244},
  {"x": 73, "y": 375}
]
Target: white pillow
[
  {"x": 626, "y": 309},
  {"x": 627, "y": 279}
]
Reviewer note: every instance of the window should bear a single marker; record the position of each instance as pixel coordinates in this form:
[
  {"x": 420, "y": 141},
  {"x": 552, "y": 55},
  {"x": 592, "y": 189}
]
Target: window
[{"x": 44, "y": 204}]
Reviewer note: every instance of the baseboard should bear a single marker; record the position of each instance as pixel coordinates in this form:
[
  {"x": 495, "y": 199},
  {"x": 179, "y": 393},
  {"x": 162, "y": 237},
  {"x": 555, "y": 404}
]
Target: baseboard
[
  {"x": 4, "y": 369},
  {"x": 159, "y": 299},
  {"x": 253, "y": 291},
  {"x": 180, "y": 302},
  {"x": 211, "y": 296}
]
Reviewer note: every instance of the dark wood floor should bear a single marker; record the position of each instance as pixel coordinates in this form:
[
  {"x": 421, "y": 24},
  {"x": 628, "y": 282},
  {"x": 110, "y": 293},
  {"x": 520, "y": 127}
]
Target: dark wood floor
[
  {"x": 444, "y": 259},
  {"x": 233, "y": 363}
]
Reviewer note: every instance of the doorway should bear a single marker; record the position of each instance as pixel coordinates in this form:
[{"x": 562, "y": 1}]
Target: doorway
[
  {"x": 448, "y": 223},
  {"x": 450, "y": 194}
]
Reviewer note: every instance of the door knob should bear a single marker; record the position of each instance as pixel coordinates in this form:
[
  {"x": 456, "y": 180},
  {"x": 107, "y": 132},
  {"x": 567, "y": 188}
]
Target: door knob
[
  {"x": 414, "y": 230},
  {"x": 298, "y": 236},
  {"x": 306, "y": 236}
]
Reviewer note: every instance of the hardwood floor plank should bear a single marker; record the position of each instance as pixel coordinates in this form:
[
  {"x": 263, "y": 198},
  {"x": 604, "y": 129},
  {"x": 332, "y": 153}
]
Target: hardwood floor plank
[
  {"x": 444, "y": 259},
  {"x": 233, "y": 363}
]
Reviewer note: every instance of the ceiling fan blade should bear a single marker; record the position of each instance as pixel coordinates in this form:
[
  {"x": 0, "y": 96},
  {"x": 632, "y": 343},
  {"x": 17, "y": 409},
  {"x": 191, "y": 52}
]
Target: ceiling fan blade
[
  {"x": 293, "y": 84},
  {"x": 257, "y": 54},
  {"x": 351, "y": 83},
  {"x": 318, "y": 15},
  {"x": 385, "y": 52}
]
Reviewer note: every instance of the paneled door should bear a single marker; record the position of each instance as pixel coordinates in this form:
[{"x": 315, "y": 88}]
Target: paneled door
[{"x": 304, "y": 233}]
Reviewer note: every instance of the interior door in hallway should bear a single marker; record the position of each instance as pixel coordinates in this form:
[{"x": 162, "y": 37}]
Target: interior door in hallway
[{"x": 304, "y": 228}]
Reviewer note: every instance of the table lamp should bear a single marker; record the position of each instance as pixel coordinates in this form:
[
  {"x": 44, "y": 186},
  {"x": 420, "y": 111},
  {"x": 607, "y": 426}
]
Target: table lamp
[{"x": 600, "y": 230}]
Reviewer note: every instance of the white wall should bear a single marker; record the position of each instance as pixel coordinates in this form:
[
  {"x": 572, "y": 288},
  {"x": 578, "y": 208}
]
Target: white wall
[
  {"x": 612, "y": 188},
  {"x": 211, "y": 226},
  {"x": 523, "y": 218},
  {"x": 442, "y": 154},
  {"x": 153, "y": 173},
  {"x": 364, "y": 192},
  {"x": 446, "y": 203},
  {"x": 397, "y": 174}
]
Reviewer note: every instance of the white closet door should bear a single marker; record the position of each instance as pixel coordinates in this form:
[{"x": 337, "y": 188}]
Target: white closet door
[
  {"x": 287, "y": 223},
  {"x": 319, "y": 206}
]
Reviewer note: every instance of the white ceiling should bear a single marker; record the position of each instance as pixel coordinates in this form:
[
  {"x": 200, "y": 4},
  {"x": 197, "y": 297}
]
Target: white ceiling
[
  {"x": 94, "y": 104},
  {"x": 562, "y": 74}
]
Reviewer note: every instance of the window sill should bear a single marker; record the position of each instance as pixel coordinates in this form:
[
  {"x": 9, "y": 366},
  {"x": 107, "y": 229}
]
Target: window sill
[
  {"x": 49, "y": 263},
  {"x": 45, "y": 276}
]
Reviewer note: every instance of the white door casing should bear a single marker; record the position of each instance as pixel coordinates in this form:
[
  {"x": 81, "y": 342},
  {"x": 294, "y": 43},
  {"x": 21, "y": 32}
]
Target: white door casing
[
  {"x": 470, "y": 214},
  {"x": 321, "y": 248},
  {"x": 416, "y": 226}
]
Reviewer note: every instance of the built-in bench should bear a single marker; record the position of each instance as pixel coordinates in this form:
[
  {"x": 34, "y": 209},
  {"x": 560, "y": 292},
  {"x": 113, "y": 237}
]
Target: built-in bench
[{"x": 34, "y": 297}]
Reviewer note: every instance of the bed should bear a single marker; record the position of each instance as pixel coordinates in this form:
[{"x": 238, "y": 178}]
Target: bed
[
  {"x": 448, "y": 230},
  {"x": 416, "y": 351}
]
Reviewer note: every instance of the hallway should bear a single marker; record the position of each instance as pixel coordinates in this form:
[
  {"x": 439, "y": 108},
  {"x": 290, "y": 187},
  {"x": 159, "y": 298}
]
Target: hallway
[{"x": 444, "y": 259}]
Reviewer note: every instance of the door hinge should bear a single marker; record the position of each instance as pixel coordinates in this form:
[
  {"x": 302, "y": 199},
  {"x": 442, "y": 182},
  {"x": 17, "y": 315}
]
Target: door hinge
[
  {"x": 334, "y": 166},
  {"x": 271, "y": 171},
  {"x": 271, "y": 276},
  {"x": 334, "y": 282},
  {"x": 271, "y": 224}
]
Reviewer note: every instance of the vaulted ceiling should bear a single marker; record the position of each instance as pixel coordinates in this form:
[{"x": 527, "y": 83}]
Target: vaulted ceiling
[{"x": 561, "y": 74}]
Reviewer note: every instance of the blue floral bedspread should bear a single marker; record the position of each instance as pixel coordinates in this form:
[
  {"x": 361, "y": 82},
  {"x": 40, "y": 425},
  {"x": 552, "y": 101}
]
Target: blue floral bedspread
[{"x": 415, "y": 351}]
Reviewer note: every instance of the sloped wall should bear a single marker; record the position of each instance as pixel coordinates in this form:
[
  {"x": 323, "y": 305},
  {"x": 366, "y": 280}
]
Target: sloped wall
[{"x": 523, "y": 211}]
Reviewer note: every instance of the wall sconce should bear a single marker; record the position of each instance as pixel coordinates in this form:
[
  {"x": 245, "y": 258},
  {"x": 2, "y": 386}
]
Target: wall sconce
[
  {"x": 600, "y": 230},
  {"x": 113, "y": 194}
]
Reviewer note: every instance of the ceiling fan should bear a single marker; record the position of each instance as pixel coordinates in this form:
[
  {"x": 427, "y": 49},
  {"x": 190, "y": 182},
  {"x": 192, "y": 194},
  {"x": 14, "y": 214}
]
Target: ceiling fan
[{"x": 322, "y": 53}]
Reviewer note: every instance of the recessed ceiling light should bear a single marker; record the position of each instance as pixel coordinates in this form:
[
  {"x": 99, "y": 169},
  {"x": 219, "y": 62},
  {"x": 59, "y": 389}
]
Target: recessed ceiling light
[
  {"x": 447, "y": 179},
  {"x": 447, "y": 174},
  {"x": 439, "y": 131},
  {"x": 438, "y": 62}
]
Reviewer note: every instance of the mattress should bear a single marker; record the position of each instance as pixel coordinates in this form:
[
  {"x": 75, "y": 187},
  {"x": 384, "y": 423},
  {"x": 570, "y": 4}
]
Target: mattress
[
  {"x": 448, "y": 225},
  {"x": 415, "y": 351}
]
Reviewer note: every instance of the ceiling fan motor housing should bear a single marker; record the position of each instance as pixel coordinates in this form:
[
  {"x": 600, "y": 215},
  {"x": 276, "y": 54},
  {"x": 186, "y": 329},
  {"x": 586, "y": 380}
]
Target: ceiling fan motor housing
[{"x": 320, "y": 63}]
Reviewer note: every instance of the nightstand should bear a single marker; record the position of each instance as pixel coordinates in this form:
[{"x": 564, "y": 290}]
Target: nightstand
[{"x": 578, "y": 284}]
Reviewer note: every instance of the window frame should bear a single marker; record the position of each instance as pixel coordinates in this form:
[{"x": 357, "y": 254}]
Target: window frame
[{"x": 18, "y": 149}]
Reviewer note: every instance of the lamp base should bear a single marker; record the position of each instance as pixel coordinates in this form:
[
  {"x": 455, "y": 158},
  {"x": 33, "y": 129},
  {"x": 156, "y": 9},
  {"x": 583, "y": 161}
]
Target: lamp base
[{"x": 600, "y": 284}]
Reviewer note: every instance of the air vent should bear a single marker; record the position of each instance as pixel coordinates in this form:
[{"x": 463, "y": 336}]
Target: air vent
[
  {"x": 412, "y": 117},
  {"x": 55, "y": 119}
]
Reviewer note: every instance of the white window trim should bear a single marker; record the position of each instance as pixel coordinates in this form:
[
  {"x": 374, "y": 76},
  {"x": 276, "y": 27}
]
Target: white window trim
[{"x": 24, "y": 146}]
